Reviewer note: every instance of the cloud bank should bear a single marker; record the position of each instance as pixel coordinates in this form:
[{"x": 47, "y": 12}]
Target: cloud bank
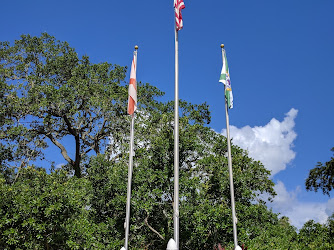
[
  {"x": 271, "y": 144},
  {"x": 287, "y": 204}
]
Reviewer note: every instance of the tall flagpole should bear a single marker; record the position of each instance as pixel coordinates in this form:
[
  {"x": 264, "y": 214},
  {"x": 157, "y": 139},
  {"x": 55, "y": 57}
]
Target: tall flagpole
[
  {"x": 234, "y": 218},
  {"x": 173, "y": 244},
  {"x": 128, "y": 200},
  {"x": 176, "y": 143}
]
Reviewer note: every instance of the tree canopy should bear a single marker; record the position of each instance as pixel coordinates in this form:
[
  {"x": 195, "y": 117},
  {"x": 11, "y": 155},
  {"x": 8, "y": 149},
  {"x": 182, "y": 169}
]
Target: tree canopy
[
  {"x": 48, "y": 93},
  {"x": 321, "y": 177}
]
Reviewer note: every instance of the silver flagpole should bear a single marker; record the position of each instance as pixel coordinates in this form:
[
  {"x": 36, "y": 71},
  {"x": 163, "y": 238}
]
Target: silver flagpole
[
  {"x": 230, "y": 165},
  {"x": 176, "y": 143},
  {"x": 128, "y": 199}
]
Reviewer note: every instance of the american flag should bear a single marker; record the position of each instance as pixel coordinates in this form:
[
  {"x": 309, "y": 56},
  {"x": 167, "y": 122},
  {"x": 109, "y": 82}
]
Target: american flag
[
  {"x": 132, "y": 103},
  {"x": 178, "y": 6}
]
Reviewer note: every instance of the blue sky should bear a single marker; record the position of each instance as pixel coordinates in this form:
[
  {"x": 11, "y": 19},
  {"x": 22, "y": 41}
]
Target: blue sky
[{"x": 280, "y": 56}]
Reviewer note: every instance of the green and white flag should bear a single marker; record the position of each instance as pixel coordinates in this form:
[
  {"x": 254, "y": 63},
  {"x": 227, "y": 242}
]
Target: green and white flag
[{"x": 225, "y": 78}]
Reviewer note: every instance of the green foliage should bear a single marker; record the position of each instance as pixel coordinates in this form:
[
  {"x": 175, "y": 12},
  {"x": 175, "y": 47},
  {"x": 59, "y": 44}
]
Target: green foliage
[
  {"x": 205, "y": 215},
  {"x": 275, "y": 234},
  {"x": 36, "y": 210},
  {"x": 48, "y": 92},
  {"x": 316, "y": 236},
  {"x": 5, "y": 157},
  {"x": 321, "y": 177}
]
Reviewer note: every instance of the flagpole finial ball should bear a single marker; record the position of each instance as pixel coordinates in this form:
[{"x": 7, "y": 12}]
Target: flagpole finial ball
[
  {"x": 136, "y": 47},
  {"x": 222, "y": 45}
]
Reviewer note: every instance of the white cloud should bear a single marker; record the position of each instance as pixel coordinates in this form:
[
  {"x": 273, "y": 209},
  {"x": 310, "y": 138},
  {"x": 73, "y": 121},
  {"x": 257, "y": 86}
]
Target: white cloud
[
  {"x": 330, "y": 207},
  {"x": 287, "y": 204},
  {"x": 271, "y": 144}
]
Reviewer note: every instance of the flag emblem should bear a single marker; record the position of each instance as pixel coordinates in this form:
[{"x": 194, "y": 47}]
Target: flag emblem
[
  {"x": 178, "y": 6},
  {"x": 225, "y": 79},
  {"x": 132, "y": 102}
]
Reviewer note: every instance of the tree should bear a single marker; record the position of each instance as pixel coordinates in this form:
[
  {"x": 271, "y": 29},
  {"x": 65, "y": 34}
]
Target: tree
[
  {"x": 315, "y": 236},
  {"x": 48, "y": 93},
  {"x": 205, "y": 214},
  {"x": 39, "y": 209},
  {"x": 277, "y": 234},
  {"x": 321, "y": 177}
]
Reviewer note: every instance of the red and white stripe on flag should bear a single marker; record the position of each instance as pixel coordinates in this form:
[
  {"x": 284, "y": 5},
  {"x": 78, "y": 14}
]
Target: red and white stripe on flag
[
  {"x": 132, "y": 102},
  {"x": 178, "y": 6}
]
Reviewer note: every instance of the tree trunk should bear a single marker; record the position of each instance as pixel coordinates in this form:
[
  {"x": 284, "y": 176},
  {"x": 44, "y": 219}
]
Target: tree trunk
[{"x": 76, "y": 166}]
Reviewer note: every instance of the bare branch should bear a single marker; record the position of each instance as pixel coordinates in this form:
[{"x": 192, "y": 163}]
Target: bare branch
[
  {"x": 152, "y": 229},
  {"x": 23, "y": 163}
]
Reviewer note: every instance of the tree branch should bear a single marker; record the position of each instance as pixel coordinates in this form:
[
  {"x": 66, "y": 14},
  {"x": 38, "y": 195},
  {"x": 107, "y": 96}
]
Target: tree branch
[
  {"x": 69, "y": 126},
  {"x": 61, "y": 147},
  {"x": 23, "y": 163},
  {"x": 152, "y": 229}
]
